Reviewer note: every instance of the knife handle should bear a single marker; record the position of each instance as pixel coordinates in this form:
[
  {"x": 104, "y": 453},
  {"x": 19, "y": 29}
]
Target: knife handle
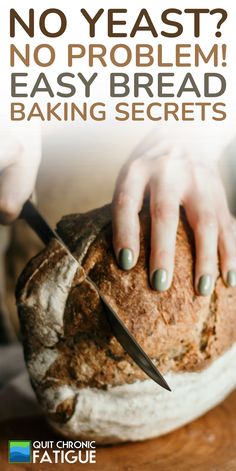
[{"x": 34, "y": 219}]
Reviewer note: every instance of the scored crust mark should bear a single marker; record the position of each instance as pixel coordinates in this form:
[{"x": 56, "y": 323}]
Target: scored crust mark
[
  {"x": 79, "y": 231},
  {"x": 179, "y": 330}
]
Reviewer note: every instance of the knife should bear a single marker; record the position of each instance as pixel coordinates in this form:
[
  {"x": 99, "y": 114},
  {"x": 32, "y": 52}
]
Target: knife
[{"x": 40, "y": 226}]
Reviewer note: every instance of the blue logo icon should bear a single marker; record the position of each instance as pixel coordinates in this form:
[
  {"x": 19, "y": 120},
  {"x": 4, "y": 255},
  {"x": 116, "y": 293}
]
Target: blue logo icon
[{"x": 19, "y": 451}]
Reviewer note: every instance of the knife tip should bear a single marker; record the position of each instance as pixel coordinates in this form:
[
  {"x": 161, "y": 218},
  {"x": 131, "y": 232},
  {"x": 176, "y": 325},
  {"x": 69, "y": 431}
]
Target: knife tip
[
  {"x": 168, "y": 387},
  {"x": 164, "y": 384}
]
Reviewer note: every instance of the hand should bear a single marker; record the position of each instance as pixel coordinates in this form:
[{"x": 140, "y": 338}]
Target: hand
[
  {"x": 173, "y": 179},
  {"x": 18, "y": 171}
]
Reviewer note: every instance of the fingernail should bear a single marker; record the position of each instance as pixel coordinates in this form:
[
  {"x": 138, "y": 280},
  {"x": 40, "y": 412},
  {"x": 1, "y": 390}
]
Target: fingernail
[
  {"x": 231, "y": 278},
  {"x": 160, "y": 280},
  {"x": 126, "y": 259},
  {"x": 205, "y": 285}
]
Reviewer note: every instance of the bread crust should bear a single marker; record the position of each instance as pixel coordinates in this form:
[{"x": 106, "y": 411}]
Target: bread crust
[{"x": 180, "y": 331}]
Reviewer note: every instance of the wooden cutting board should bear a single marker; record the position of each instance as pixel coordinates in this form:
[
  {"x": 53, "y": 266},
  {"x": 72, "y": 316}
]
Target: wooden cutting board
[{"x": 208, "y": 444}]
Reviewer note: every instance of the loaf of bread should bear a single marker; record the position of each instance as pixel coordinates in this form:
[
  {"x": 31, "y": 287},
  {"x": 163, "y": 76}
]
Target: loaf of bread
[{"x": 87, "y": 385}]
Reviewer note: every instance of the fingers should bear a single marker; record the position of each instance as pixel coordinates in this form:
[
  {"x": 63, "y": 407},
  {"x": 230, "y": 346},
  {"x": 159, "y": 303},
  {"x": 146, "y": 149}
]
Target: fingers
[
  {"x": 127, "y": 203},
  {"x": 164, "y": 222},
  {"x": 16, "y": 185},
  {"x": 172, "y": 183},
  {"x": 206, "y": 236},
  {"x": 19, "y": 162},
  {"x": 205, "y": 226},
  {"x": 227, "y": 252},
  {"x": 214, "y": 232}
]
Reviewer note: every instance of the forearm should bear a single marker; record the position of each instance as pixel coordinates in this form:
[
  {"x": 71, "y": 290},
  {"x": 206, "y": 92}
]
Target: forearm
[{"x": 193, "y": 141}]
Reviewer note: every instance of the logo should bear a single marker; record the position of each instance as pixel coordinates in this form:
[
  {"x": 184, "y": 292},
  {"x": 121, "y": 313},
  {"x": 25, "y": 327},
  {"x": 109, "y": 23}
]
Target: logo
[
  {"x": 19, "y": 451},
  {"x": 61, "y": 451}
]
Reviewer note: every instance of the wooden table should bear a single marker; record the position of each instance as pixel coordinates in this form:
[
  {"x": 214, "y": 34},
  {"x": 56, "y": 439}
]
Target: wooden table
[{"x": 208, "y": 444}]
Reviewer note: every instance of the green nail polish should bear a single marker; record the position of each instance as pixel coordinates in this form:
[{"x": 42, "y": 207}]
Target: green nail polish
[
  {"x": 126, "y": 259},
  {"x": 205, "y": 285},
  {"x": 231, "y": 278},
  {"x": 160, "y": 280}
]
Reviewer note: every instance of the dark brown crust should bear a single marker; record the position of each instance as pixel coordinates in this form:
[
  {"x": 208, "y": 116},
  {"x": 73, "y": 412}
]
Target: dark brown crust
[{"x": 179, "y": 330}]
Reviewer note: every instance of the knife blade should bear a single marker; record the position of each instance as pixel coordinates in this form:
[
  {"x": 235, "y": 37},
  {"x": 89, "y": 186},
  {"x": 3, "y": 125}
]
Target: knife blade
[{"x": 41, "y": 227}]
